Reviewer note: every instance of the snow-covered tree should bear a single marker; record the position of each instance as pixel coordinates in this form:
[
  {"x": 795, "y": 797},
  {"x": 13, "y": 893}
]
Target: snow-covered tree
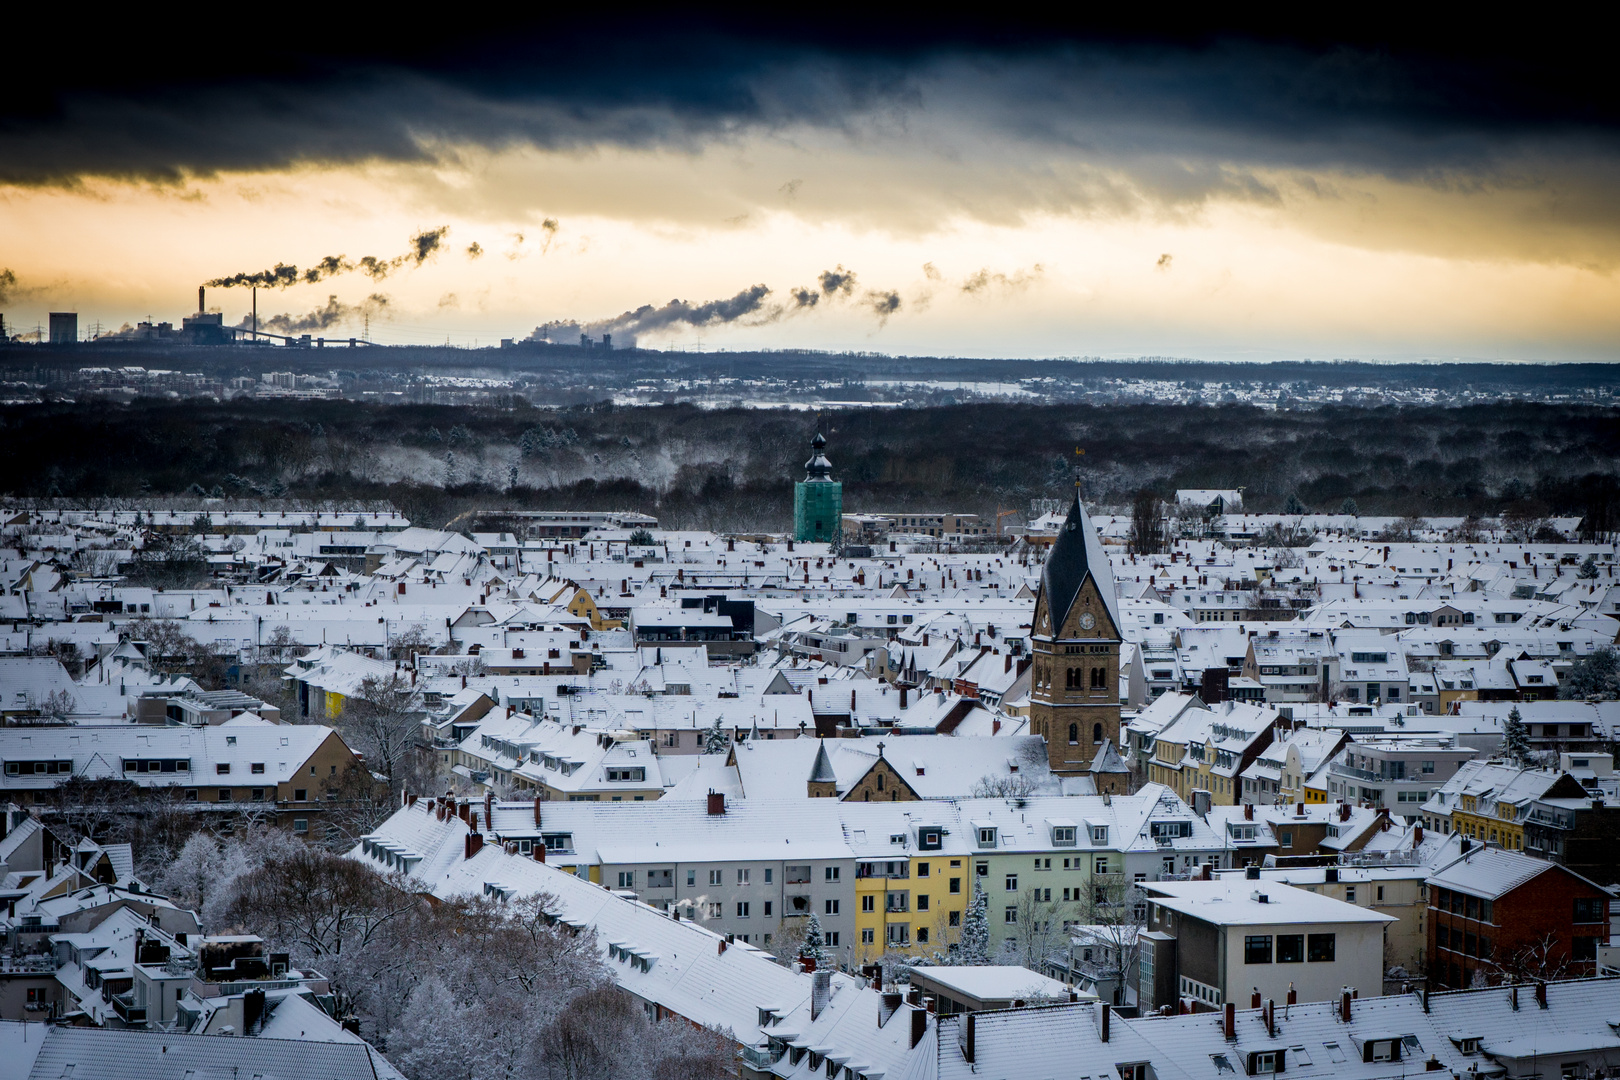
[
  {"x": 715, "y": 739},
  {"x": 974, "y": 948},
  {"x": 815, "y": 947},
  {"x": 1293, "y": 505},
  {"x": 1589, "y": 569},
  {"x": 1349, "y": 507},
  {"x": 1516, "y": 739},
  {"x": 1596, "y": 675}
]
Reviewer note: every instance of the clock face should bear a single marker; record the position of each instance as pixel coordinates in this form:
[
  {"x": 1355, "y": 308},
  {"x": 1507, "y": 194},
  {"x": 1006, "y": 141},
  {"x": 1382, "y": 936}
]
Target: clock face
[{"x": 1087, "y": 621}]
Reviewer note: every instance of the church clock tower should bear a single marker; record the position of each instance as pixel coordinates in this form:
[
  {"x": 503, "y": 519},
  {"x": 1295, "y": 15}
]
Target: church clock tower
[{"x": 1075, "y": 639}]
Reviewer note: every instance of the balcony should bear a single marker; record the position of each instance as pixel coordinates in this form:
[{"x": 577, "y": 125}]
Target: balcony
[{"x": 130, "y": 1013}]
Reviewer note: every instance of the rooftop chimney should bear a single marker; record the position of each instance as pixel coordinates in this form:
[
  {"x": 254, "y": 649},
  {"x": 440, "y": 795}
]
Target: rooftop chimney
[
  {"x": 475, "y": 843},
  {"x": 717, "y": 803},
  {"x": 820, "y": 993},
  {"x": 1293, "y": 995},
  {"x": 539, "y": 851},
  {"x": 1229, "y": 1022},
  {"x": 1107, "y": 1010},
  {"x": 1541, "y": 994},
  {"x": 1270, "y": 1017},
  {"x": 1254, "y": 998},
  {"x": 888, "y": 1005},
  {"x": 537, "y": 811},
  {"x": 1248, "y": 811},
  {"x": 919, "y": 1025},
  {"x": 1344, "y": 1005}
]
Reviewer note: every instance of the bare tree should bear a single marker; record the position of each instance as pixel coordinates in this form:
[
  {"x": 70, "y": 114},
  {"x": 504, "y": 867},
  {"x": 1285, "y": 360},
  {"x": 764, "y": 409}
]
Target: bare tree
[
  {"x": 1010, "y": 786},
  {"x": 1041, "y": 922},
  {"x": 1112, "y": 914},
  {"x": 1147, "y": 524},
  {"x": 383, "y": 722}
]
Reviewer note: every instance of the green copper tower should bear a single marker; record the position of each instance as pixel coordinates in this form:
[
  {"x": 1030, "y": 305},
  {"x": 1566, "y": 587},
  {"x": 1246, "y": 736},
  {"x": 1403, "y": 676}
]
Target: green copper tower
[{"x": 818, "y": 500}]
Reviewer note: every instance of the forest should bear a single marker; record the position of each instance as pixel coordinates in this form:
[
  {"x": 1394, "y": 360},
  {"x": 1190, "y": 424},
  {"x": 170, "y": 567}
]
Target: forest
[{"x": 733, "y": 469}]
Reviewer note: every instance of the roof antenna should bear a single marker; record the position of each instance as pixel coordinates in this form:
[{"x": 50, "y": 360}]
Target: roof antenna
[{"x": 1078, "y": 454}]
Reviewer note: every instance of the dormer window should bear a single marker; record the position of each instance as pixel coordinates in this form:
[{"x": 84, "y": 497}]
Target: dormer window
[
  {"x": 987, "y": 836},
  {"x": 1063, "y": 835}
]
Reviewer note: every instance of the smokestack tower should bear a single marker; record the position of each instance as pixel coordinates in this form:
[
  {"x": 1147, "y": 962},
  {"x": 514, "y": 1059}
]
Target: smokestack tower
[{"x": 201, "y": 306}]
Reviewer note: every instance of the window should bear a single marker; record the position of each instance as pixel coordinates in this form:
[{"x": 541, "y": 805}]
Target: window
[
  {"x": 1285, "y": 837},
  {"x": 223, "y": 768},
  {"x": 1583, "y": 948},
  {"x": 1099, "y": 834},
  {"x": 868, "y": 902},
  {"x": 691, "y": 878},
  {"x": 714, "y": 877},
  {"x": 1010, "y": 915},
  {"x": 922, "y": 935},
  {"x": 1136, "y": 1070},
  {"x": 956, "y": 885},
  {"x": 1589, "y": 911},
  {"x": 1096, "y": 733},
  {"x": 300, "y": 795},
  {"x": 922, "y": 869},
  {"x": 1334, "y": 1053},
  {"x": 743, "y": 876},
  {"x": 955, "y": 919},
  {"x": 258, "y": 794},
  {"x": 224, "y": 794},
  {"x": 300, "y": 825},
  {"x": 1074, "y": 734},
  {"x": 742, "y": 909},
  {"x": 627, "y": 879},
  {"x": 922, "y": 901},
  {"x": 1319, "y": 948},
  {"x": 830, "y": 908},
  {"x": 866, "y": 935},
  {"x": 987, "y": 837},
  {"x": 1257, "y": 949},
  {"x": 1265, "y": 1061},
  {"x": 1349, "y": 894},
  {"x": 1290, "y": 948},
  {"x": 714, "y": 911},
  {"x": 1099, "y": 864},
  {"x": 1012, "y": 882},
  {"x": 257, "y": 768}
]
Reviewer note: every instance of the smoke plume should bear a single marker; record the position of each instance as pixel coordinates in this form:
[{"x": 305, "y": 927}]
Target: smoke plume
[
  {"x": 987, "y": 278},
  {"x": 8, "y": 283},
  {"x": 882, "y": 303},
  {"x": 322, "y": 318},
  {"x": 474, "y": 250},
  {"x": 284, "y": 275},
  {"x": 648, "y": 319},
  {"x": 839, "y": 281},
  {"x": 1164, "y": 261}
]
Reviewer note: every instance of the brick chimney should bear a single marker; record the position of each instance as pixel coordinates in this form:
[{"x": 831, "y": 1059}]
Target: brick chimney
[
  {"x": 717, "y": 803},
  {"x": 1229, "y": 1021},
  {"x": 1103, "y": 1019},
  {"x": 475, "y": 844}
]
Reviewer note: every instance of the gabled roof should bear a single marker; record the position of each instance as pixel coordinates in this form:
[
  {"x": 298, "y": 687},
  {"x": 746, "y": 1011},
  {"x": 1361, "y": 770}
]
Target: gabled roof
[{"x": 1076, "y": 555}]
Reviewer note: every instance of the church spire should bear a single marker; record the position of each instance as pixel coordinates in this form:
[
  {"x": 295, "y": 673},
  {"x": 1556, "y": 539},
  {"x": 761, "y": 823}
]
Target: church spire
[{"x": 818, "y": 468}]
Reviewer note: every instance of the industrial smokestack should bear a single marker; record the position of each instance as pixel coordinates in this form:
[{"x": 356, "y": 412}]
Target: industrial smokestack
[{"x": 201, "y": 306}]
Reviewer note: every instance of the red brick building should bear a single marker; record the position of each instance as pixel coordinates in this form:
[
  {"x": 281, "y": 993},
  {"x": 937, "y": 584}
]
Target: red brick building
[{"x": 1503, "y": 916}]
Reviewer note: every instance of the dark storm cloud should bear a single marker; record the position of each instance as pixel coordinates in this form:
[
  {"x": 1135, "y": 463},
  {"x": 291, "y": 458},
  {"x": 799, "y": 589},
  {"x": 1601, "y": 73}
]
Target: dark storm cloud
[{"x": 138, "y": 105}]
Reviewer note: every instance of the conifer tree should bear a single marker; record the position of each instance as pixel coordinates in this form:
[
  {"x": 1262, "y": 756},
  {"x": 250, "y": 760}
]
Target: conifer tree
[
  {"x": 974, "y": 949},
  {"x": 814, "y": 948},
  {"x": 1516, "y": 739}
]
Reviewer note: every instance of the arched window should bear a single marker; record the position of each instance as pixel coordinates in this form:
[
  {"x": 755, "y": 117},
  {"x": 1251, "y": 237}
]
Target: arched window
[
  {"x": 880, "y": 781},
  {"x": 1074, "y": 734},
  {"x": 1096, "y": 733},
  {"x": 1099, "y": 678}
]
